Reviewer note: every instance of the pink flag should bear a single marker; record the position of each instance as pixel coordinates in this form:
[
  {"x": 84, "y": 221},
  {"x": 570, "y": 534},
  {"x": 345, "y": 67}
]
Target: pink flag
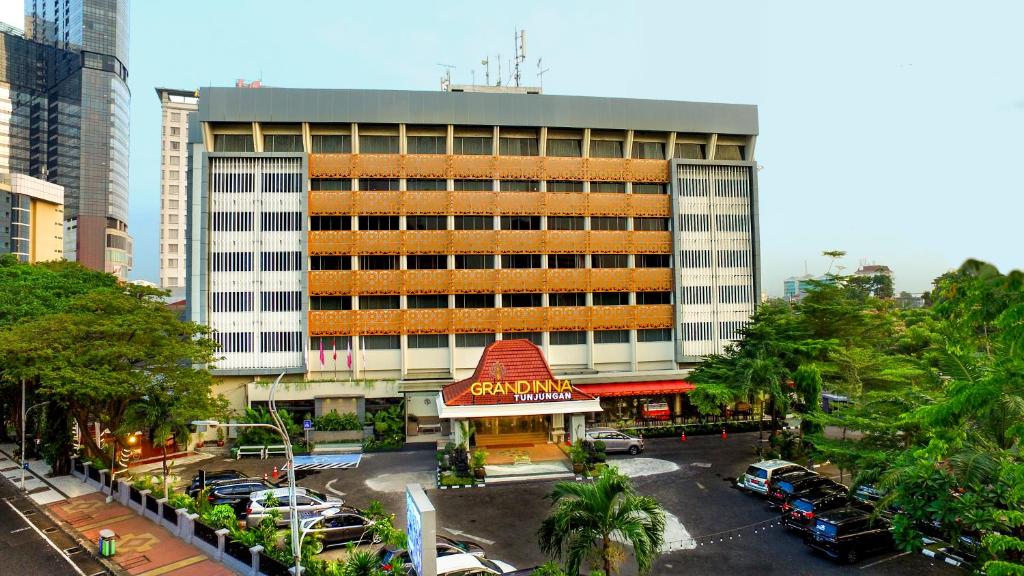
[
  {"x": 321, "y": 351},
  {"x": 349, "y": 352},
  {"x": 334, "y": 347}
]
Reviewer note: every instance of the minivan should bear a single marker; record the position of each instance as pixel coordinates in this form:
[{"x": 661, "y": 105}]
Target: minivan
[{"x": 758, "y": 475}]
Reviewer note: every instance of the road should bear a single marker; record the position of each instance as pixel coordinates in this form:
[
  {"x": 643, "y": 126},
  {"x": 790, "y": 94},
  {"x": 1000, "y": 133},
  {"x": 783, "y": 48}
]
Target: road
[{"x": 32, "y": 545}]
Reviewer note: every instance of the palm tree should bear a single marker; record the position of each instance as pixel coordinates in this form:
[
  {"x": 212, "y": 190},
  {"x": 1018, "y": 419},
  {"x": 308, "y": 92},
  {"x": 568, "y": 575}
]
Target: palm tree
[{"x": 591, "y": 519}]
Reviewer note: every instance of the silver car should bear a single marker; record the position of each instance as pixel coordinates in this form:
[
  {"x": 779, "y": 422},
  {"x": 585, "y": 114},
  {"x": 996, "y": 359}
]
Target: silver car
[
  {"x": 308, "y": 503},
  {"x": 616, "y": 441}
]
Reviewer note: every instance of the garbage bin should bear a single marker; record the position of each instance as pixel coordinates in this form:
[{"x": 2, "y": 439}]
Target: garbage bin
[{"x": 106, "y": 543}]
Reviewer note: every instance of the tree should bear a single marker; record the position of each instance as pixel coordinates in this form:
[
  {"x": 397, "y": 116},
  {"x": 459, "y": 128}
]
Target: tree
[{"x": 590, "y": 520}]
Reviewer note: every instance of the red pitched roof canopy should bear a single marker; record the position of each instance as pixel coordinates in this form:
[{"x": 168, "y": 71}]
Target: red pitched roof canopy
[
  {"x": 608, "y": 389},
  {"x": 507, "y": 361}
]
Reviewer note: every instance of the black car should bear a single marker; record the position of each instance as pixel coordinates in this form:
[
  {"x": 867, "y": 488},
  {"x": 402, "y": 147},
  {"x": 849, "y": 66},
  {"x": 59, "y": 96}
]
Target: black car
[
  {"x": 212, "y": 478},
  {"x": 799, "y": 513},
  {"x": 235, "y": 493},
  {"x": 782, "y": 489},
  {"x": 849, "y": 534}
]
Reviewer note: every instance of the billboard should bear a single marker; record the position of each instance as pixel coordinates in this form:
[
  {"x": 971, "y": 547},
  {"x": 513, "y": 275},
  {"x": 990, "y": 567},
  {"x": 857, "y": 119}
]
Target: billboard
[{"x": 421, "y": 529}]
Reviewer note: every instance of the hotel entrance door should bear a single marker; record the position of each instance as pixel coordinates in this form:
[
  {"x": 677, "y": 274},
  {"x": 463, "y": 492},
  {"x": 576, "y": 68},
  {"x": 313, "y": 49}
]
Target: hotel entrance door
[{"x": 511, "y": 431}]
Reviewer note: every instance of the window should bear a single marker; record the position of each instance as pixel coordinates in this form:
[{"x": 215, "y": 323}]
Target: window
[
  {"x": 371, "y": 144},
  {"x": 519, "y": 185},
  {"x": 474, "y": 185},
  {"x": 426, "y": 262},
  {"x": 652, "y": 261},
  {"x": 649, "y": 150},
  {"x": 695, "y": 222},
  {"x": 473, "y": 340},
  {"x": 389, "y": 262},
  {"x": 426, "y": 222},
  {"x": 378, "y": 184},
  {"x": 646, "y": 188},
  {"x": 611, "y": 336},
  {"x": 696, "y": 331},
  {"x": 473, "y": 145},
  {"x": 474, "y": 261},
  {"x": 330, "y": 302},
  {"x": 520, "y": 300},
  {"x": 734, "y": 258},
  {"x": 730, "y": 330},
  {"x": 427, "y": 340},
  {"x": 378, "y": 302},
  {"x": 566, "y": 223},
  {"x": 328, "y": 184},
  {"x": 232, "y": 301},
  {"x": 606, "y": 148},
  {"x": 231, "y": 221},
  {"x": 234, "y": 341},
  {"x": 172, "y": 204},
  {"x": 378, "y": 222},
  {"x": 608, "y": 223},
  {"x": 474, "y": 301},
  {"x": 282, "y": 143},
  {"x": 233, "y": 143},
  {"x": 172, "y": 248},
  {"x": 696, "y": 294},
  {"x": 518, "y": 146},
  {"x": 520, "y": 261},
  {"x": 426, "y": 144},
  {"x": 474, "y": 222},
  {"x": 229, "y": 182},
  {"x": 175, "y": 145},
  {"x": 280, "y": 261},
  {"x": 693, "y": 187},
  {"x": 695, "y": 259},
  {"x": 729, "y": 152},
  {"x": 173, "y": 189},
  {"x": 732, "y": 222},
  {"x": 427, "y": 301},
  {"x": 536, "y": 337},
  {"x": 567, "y": 261},
  {"x": 520, "y": 222},
  {"x": 654, "y": 335},
  {"x": 615, "y": 187},
  {"x": 555, "y": 186},
  {"x": 174, "y": 160},
  {"x": 172, "y": 262},
  {"x": 565, "y": 147},
  {"x": 332, "y": 144},
  {"x": 689, "y": 151},
  {"x": 734, "y": 294},
  {"x": 609, "y": 261},
  {"x": 330, "y": 222},
  {"x": 281, "y": 301},
  {"x": 281, "y": 341},
  {"x": 611, "y": 298},
  {"x": 176, "y": 131},
  {"x": 340, "y": 343},
  {"x": 568, "y": 338},
  {"x": 281, "y": 221},
  {"x": 732, "y": 187},
  {"x": 648, "y": 298},
  {"x": 391, "y": 342},
  {"x": 289, "y": 182},
  {"x": 651, "y": 224},
  {"x": 424, "y": 184},
  {"x": 330, "y": 262},
  {"x": 231, "y": 261},
  {"x": 567, "y": 299}
]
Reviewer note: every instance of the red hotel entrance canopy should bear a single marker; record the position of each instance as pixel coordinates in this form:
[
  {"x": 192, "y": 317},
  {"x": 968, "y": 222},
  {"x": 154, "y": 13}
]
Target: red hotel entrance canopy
[{"x": 610, "y": 389}]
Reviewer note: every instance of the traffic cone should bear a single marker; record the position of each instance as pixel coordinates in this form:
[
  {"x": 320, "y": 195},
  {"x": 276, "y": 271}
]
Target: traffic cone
[
  {"x": 275, "y": 468},
  {"x": 724, "y": 435},
  {"x": 682, "y": 437},
  {"x": 264, "y": 476}
]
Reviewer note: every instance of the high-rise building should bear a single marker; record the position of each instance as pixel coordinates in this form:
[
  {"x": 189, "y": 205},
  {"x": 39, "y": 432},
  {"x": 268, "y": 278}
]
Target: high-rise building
[
  {"x": 31, "y": 218},
  {"x": 347, "y": 235},
  {"x": 176, "y": 105},
  {"x": 66, "y": 77}
]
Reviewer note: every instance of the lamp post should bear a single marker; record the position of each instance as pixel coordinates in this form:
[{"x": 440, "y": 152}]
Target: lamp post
[
  {"x": 278, "y": 427},
  {"x": 24, "y": 415}
]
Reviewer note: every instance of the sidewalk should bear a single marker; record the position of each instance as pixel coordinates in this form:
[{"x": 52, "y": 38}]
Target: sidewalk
[
  {"x": 41, "y": 490},
  {"x": 143, "y": 548}
]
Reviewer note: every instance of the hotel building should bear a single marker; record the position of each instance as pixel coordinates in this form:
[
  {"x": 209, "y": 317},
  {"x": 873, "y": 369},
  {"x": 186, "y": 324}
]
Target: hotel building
[
  {"x": 175, "y": 106},
  {"x": 372, "y": 243}
]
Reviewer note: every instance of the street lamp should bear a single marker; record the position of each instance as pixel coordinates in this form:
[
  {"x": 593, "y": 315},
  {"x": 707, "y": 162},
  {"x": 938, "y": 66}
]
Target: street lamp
[
  {"x": 278, "y": 427},
  {"x": 24, "y": 415}
]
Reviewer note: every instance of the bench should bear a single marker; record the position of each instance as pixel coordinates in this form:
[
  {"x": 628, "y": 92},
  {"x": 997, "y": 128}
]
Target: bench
[
  {"x": 249, "y": 451},
  {"x": 430, "y": 428},
  {"x": 277, "y": 449}
]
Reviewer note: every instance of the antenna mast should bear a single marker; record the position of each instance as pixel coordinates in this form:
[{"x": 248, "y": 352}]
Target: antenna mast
[
  {"x": 520, "y": 45},
  {"x": 541, "y": 72},
  {"x": 446, "y": 80},
  {"x": 487, "y": 70}
]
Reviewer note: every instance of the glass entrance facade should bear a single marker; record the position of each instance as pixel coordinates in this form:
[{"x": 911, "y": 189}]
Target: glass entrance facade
[{"x": 509, "y": 425}]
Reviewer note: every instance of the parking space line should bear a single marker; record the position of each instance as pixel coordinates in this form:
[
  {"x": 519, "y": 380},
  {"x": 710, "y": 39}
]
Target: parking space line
[
  {"x": 469, "y": 536},
  {"x": 48, "y": 541},
  {"x": 893, "y": 557}
]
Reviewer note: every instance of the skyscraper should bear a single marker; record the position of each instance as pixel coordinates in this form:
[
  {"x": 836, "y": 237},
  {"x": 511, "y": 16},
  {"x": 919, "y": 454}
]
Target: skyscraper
[
  {"x": 176, "y": 106},
  {"x": 66, "y": 77}
]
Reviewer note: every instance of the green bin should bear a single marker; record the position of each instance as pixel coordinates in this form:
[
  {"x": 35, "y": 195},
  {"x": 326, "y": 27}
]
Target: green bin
[{"x": 107, "y": 543}]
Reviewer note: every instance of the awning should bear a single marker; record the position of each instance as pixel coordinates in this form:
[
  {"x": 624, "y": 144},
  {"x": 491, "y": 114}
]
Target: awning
[
  {"x": 637, "y": 388},
  {"x": 524, "y": 409}
]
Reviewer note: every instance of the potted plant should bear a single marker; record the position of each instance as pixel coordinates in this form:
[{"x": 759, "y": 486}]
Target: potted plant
[
  {"x": 579, "y": 458},
  {"x": 479, "y": 461},
  {"x": 220, "y": 437}
]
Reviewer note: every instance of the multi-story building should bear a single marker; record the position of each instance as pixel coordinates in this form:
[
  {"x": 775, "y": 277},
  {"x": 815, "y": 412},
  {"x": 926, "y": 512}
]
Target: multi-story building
[
  {"x": 350, "y": 235},
  {"x": 31, "y": 218},
  {"x": 65, "y": 78},
  {"x": 176, "y": 105}
]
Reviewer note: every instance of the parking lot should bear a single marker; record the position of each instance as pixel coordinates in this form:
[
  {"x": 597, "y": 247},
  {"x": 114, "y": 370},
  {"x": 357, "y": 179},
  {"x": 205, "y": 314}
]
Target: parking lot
[{"x": 712, "y": 529}]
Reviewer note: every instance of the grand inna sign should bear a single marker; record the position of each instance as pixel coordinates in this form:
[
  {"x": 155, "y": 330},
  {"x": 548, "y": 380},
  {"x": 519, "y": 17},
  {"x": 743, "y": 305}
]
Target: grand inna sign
[{"x": 524, "y": 390}]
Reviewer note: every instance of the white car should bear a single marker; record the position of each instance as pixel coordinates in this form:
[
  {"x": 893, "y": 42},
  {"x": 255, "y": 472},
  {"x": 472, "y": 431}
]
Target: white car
[
  {"x": 470, "y": 565},
  {"x": 308, "y": 503},
  {"x": 759, "y": 474}
]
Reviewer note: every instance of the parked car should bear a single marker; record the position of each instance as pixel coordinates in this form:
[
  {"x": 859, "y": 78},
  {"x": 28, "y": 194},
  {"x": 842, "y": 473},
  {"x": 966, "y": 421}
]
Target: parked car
[
  {"x": 341, "y": 526},
  {"x": 615, "y": 441},
  {"x": 758, "y": 475},
  {"x": 212, "y": 478},
  {"x": 849, "y": 534},
  {"x": 445, "y": 547},
  {"x": 235, "y": 493},
  {"x": 788, "y": 486},
  {"x": 469, "y": 565},
  {"x": 309, "y": 503},
  {"x": 799, "y": 513}
]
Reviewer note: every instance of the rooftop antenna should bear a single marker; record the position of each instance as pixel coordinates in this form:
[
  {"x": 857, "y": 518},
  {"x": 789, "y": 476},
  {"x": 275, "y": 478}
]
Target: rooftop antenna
[
  {"x": 520, "y": 45},
  {"x": 541, "y": 72},
  {"x": 487, "y": 70},
  {"x": 446, "y": 80},
  {"x": 499, "y": 71}
]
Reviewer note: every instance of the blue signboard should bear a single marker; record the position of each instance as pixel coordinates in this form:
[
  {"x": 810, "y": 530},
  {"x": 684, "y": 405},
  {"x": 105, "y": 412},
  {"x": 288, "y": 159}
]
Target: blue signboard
[
  {"x": 414, "y": 530},
  {"x": 307, "y": 424}
]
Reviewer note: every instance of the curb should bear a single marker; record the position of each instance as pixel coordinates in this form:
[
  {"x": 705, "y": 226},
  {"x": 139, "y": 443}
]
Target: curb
[{"x": 938, "y": 552}]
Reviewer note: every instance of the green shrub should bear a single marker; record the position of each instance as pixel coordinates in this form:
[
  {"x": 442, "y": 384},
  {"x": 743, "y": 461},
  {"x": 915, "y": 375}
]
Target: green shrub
[
  {"x": 334, "y": 422},
  {"x": 221, "y": 516},
  {"x": 449, "y": 479},
  {"x": 181, "y": 501},
  {"x": 549, "y": 569}
]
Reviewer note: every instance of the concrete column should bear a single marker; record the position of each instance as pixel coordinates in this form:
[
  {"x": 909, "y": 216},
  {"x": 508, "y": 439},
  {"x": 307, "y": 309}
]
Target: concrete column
[
  {"x": 677, "y": 408},
  {"x": 712, "y": 145},
  {"x": 355, "y": 138},
  {"x": 627, "y": 148},
  {"x": 257, "y": 137},
  {"x": 402, "y": 142},
  {"x": 586, "y": 145},
  {"x": 670, "y": 146},
  {"x": 542, "y": 141},
  {"x": 307, "y": 138}
]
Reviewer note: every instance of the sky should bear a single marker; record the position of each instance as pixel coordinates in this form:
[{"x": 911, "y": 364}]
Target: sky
[{"x": 889, "y": 130}]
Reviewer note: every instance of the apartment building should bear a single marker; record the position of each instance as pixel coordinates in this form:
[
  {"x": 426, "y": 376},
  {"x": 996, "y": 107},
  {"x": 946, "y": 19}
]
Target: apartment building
[
  {"x": 175, "y": 107},
  {"x": 31, "y": 218},
  {"x": 346, "y": 236}
]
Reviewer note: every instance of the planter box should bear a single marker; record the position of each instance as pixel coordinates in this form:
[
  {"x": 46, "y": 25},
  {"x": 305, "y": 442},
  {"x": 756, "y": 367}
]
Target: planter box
[
  {"x": 151, "y": 507},
  {"x": 170, "y": 515},
  {"x": 354, "y": 436},
  {"x": 272, "y": 567}
]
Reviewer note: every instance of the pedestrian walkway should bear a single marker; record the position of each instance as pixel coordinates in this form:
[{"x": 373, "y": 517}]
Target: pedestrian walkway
[
  {"x": 40, "y": 488},
  {"x": 143, "y": 547}
]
